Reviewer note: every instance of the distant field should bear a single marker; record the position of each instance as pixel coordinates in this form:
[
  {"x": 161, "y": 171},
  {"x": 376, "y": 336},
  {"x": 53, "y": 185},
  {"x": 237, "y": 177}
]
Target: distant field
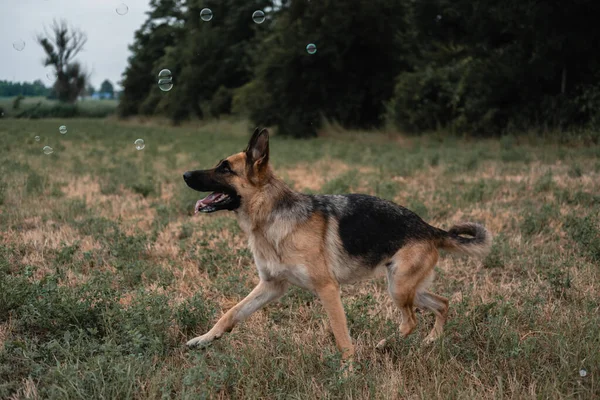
[
  {"x": 40, "y": 107},
  {"x": 105, "y": 272}
]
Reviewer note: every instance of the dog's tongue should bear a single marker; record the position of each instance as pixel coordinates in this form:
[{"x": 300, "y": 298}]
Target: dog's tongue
[{"x": 211, "y": 198}]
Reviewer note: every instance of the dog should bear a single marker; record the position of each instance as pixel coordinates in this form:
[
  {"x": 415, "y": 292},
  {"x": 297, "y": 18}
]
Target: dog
[{"x": 319, "y": 242}]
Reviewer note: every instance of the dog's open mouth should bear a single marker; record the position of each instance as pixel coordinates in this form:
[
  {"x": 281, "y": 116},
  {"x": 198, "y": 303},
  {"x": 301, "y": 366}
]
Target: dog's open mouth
[{"x": 210, "y": 202}]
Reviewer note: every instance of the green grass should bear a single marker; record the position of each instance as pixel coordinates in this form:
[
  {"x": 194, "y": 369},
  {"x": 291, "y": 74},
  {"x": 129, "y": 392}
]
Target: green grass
[
  {"x": 105, "y": 272},
  {"x": 40, "y": 107}
]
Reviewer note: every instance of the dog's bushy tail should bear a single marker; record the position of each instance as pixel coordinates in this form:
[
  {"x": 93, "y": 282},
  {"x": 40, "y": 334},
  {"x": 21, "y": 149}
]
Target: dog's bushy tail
[{"x": 478, "y": 245}]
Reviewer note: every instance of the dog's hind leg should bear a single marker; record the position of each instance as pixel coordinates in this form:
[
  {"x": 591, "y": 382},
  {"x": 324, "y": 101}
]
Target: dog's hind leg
[
  {"x": 439, "y": 306},
  {"x": 264, "y": 293},
  {"x": 407, "y": 276},
  {"x": 403, "y": 296}
]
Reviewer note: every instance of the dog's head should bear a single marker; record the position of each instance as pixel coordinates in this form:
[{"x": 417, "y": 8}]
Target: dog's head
[{"x": 235, "y": 179}]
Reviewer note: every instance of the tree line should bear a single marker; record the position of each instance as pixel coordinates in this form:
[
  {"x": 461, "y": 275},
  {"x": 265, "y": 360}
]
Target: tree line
[
  {"x": 11, "y": 89},
  {"x": 477, "y": 66},
  {"x": 38, "y": 89}
]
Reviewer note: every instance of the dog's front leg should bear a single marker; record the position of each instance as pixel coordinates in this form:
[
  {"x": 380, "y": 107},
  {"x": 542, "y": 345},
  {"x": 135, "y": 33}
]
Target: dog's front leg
[
  {"x": 264, "y": 293},
  {"x": 329, "y": 294}
]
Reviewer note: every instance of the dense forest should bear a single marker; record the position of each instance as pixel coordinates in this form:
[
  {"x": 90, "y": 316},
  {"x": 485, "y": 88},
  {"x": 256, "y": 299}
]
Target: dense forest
[{"x": 478, "y": 66}]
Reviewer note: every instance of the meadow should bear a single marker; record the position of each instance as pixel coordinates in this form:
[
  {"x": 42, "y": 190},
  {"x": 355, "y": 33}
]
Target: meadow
[
  {"x": 105, "y": 272},
  {"x": 41, "y": 107}
]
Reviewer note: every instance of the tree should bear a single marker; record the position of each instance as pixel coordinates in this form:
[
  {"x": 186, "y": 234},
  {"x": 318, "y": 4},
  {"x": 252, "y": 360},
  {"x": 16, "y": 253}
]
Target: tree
[
  {"x": 468, "y": 65},
  {"x": 347, "y": 80},
  {"x": 90, "y": 90},
  {"x": 61, "y": 44},
  {"x": 207, "y": 59},
  {"x": 220, "y": 52},
  {"x": 107, "y": 87},
  {"x": 156, "y": 36},
  {"x": 487, "y": 67}
]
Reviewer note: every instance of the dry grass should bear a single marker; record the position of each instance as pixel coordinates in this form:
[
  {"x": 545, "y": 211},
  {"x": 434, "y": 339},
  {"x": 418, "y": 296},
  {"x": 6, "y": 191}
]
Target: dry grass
[{"x": 105, "y": 274}]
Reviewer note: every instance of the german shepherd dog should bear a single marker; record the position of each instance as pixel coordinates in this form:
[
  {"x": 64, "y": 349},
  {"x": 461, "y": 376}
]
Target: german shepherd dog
[{"x": 319, "y": 242}]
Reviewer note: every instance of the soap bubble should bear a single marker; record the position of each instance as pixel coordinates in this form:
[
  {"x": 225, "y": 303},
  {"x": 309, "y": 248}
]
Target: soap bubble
[
  {"x": 19, "y": 45},
  {"x": 48, "y": 150},
  {"x": 165, "y": 80},
  {"x": 165, "y": 84},
  {"x": 582, "y": 373},
  {"x": 311, "y": 48},
  {"x": 62, "y": 129},
  {"x": 258, "y": 16},
  {"x": 51, "y": 76},
  {"x": 37, "y": 138},
  {"x": 206, "y": 14},
  {"x": 122, "y": 9},
  {"x": 438, "y": 18},
  {"x": 165, "y": 74},
  {"x": 139, "y": 144}
]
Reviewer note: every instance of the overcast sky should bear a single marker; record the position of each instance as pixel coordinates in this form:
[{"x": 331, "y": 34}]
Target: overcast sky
[{"x": 109, "y": 34}]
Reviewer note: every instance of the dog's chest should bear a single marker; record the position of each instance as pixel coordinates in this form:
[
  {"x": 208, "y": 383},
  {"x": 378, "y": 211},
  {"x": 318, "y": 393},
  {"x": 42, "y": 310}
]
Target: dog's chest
[
  {"x": 294, "y": 274},
  {"x": 269, "y": 257}
]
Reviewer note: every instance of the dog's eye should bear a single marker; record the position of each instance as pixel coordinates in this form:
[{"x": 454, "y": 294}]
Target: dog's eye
[{"x": 225, "y": 168}]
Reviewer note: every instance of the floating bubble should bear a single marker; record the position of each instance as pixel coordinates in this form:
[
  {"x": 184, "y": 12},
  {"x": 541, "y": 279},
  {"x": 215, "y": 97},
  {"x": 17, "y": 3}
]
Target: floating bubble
[
  {"x": 19, "y": 45},
  {"x": 37, "y": 138},
  {"x": 48, "y": 150},
  {"x": 311, "y": 48},
  {"x": 62, "y": 129},
  {"x": 122, "y": 9},
  {"x": 165, "y": 80},
  {"x": 165, "y": 84},
  {"x": 165, "y": 74},
  {"x": 258, "y": 16},
  {"x": 51, "y": 76},
  {"x": 582, "y": 373},
  {"x": 139, "y": 144},
  {"x": 206, "y": 14},
  {"x": 438, "y": 18}
]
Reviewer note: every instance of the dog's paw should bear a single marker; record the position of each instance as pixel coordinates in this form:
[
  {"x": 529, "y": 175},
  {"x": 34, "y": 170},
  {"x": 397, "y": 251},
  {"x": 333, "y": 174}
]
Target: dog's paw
[
  {"x": 347, "y": 369},
  {"x": 430, "y": 339},
  {"x": 200, "y": 341},
  {"x": 381, "y": 345}
]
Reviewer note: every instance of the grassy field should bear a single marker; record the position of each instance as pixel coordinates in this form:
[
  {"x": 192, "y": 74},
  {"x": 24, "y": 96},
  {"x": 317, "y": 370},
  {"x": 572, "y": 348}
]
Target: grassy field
[
  {"x": 105, "y": 272},
  {"x": 41, "y": 107}
]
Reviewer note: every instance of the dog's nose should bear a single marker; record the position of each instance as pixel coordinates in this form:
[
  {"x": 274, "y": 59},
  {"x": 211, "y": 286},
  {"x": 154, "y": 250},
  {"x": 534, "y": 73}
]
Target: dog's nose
[{"x": 187, "y": 176}]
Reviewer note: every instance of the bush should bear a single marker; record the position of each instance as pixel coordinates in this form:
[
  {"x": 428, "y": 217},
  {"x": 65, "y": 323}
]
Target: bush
[
  {"x": 427, "y": 99},
  {"x": 472, "y": 69}
]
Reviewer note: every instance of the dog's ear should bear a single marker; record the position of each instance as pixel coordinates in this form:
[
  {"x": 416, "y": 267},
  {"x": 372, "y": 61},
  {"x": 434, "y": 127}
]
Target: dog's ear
[{"x": 257, "y": 152}]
